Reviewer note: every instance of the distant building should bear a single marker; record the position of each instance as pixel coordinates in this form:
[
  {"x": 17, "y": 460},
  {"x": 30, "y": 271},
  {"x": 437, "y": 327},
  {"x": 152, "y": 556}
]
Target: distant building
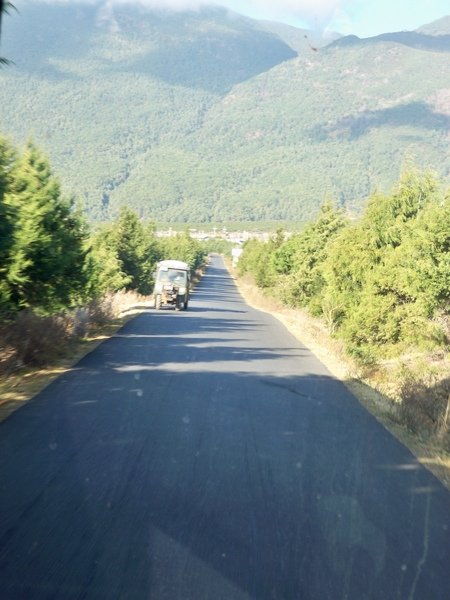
[{"x": 236, "y": 253}]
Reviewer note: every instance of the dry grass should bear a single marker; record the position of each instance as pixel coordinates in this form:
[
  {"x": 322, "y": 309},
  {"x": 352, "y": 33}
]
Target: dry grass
[
  {"x": 409, "y": 396},
  {"x": 34, "y": 340}
]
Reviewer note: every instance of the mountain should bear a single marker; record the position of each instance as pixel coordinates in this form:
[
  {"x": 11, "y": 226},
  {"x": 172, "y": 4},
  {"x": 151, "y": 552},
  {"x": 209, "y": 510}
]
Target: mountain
[
  {"x": 413, "y": 39},
  {"x": 211, "y": 116},
  {"x": 439, "y": 27},
  {"x": 300, "y": 40},
  {"x": 211, "y": 49}
]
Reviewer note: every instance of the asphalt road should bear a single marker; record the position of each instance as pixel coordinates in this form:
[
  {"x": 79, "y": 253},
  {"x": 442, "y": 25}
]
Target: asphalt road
[{"x": 208, "y": 455}]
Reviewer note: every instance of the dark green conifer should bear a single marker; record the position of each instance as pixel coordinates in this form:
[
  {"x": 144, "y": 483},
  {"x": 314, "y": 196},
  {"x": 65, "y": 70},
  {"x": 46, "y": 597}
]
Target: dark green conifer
[{"x": 47, "y": 266}]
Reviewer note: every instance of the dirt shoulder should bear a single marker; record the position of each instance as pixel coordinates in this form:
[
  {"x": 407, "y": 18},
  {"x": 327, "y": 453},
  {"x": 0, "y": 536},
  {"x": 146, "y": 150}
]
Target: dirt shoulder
[{"x": 313, "y": 334}]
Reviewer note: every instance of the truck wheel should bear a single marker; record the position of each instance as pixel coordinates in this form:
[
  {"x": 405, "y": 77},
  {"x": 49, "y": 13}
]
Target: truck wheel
[{"x": 158, "y": 302}]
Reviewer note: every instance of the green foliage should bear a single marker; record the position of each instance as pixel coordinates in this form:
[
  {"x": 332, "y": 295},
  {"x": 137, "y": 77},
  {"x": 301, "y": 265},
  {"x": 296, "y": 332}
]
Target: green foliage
[
  {"x": 382, "y": 283},
  {"x": 7, "y": 222},
  {"x": 217, "y": 245},
  {"x": 183, "y": 247},
  {"x": 257, "y": 260},
  {"x": 124, "y": 255},
  {"x": 166, "y": 115},
  {"x": 45, "y": 264},
  {"x": 387, "y": 273},
  {"x": 136, "y": 251},
  {"x": 105, "y": 266},
  {"x": 48, "y": 260},
  {"x": 424, "y": 258},
  {"x": 5, "y": 8},
  {"x": 300, "y": 259}
]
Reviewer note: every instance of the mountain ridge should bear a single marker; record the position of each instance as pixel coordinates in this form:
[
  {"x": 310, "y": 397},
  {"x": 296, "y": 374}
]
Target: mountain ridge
[
  {"x": 413, "y": 39},
  {"x": 205, "y": 116}
]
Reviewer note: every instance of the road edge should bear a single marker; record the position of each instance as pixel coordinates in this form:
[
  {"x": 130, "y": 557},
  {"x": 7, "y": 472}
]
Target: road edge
[{"x": 302, "y": 327}]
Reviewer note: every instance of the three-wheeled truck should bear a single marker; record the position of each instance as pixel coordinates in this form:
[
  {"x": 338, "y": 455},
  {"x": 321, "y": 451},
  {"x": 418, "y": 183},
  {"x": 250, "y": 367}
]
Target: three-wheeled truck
[{"x": 172, "y": 284}]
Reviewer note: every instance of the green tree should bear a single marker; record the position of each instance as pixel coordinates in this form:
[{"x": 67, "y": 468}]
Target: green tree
[
  {"x": 183, "y": 247},
  {"x": 299, "y": 261},
  {"x": 123, "y": 255},
  {"x": 106, "y": 274},
  {"x": 137, "y": 250},
  {"x": 255, "y": 260},
  {"x": 388, "y": 274},
  {"x": 386, "y": 215},
  {"x": 130, "y": 244},
  {"x": 7, "y": 222},
  {"x": 47, "y": 264}
]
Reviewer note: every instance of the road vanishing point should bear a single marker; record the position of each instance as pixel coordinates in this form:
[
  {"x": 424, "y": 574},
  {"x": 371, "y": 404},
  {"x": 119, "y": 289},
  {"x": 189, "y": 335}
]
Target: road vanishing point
[{"x": 208, "y": 455}]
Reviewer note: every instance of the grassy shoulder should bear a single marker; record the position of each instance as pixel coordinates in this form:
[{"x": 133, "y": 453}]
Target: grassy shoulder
[{"x": 375, "y": 389}]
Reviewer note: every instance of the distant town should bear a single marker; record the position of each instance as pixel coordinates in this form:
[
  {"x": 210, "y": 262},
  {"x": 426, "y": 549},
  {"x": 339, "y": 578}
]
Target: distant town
[{"x": 234, "y": 237}]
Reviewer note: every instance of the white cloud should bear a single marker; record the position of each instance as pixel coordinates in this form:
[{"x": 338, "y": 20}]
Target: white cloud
[
  {"x": 311, "y": 9},
  {"x": 363, "y": 17},
  {"x": 321, "y": 8},
  {"x": 315, "y": 13}
]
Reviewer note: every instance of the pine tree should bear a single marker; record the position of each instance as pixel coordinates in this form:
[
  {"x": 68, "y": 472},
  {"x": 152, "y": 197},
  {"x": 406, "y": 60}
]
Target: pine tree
[
  {"x": 47, "y": 266},
  {"x": 183, "y": 247},
  {"x": 7, "y": 220},
  {"x": 136, "y": 250},
  {"x": 6, "y": 212},
  {"x": 104, "y": 264},
  {"x": 388, "y": 275},
  {"x": 300, "y": 260}
]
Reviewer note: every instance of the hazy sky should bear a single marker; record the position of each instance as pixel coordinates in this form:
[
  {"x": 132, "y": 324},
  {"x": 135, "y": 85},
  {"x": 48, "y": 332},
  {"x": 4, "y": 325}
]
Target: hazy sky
[{"x": 360, "y": 17}]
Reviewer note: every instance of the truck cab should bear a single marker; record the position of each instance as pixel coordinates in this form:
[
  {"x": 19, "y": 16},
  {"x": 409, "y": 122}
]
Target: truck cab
[{"x": 172, "y": 284}]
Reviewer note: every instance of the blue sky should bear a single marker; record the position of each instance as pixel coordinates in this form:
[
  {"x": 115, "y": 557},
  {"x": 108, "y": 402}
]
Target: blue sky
[{"x": 360, "y": 17}]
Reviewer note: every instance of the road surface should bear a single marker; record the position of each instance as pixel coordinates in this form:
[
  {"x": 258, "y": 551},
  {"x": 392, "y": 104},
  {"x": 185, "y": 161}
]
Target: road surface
[{"x": 208, "y": 455}]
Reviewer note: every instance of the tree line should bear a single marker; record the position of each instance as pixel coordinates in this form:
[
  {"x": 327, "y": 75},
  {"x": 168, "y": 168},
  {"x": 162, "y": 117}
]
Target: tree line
[
  {"x": 51, "y": 261},
  {"x": 382, "y": 282}
]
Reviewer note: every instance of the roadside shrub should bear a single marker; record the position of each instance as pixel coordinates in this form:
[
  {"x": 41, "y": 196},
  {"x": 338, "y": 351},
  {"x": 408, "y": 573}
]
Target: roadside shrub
[
  {"x": 112, "y": 305},
  {"x": 8, "y": 357},
  {"x": 102, "y": 310},
  {"x": 33, "y": 340},
  {"x": 425, "y": 405},
  {"x": 363, "y": 354}
]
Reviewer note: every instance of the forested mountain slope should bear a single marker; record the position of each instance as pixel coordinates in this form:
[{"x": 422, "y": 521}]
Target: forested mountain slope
[{"x": 210, "y": 116}]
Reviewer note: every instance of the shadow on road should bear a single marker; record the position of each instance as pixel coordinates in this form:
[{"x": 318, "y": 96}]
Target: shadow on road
[{"x": 279, "y": 487}]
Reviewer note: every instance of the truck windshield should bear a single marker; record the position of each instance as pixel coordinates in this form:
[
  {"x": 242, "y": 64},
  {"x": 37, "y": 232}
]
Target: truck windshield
[{"x": 172, "y": 276}]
